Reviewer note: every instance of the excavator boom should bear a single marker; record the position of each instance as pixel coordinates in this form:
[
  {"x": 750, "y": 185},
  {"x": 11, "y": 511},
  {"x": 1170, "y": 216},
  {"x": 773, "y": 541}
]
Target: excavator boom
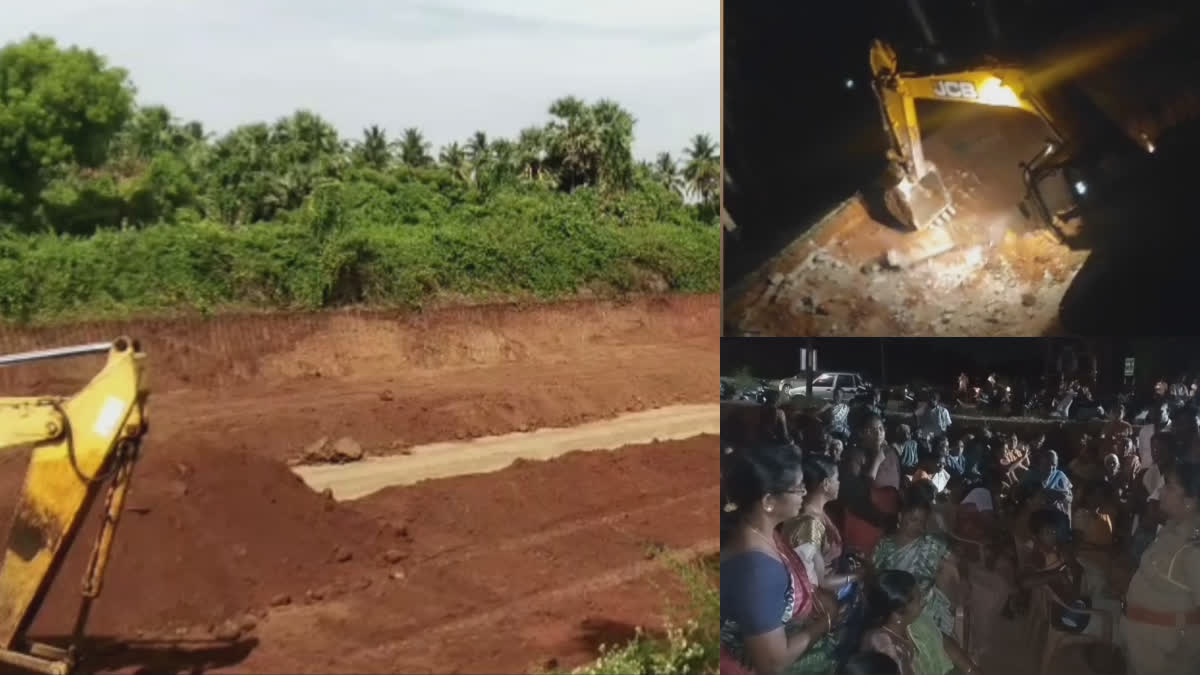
[
  {"x": 919, "y": 197},
  {"x": 80, "y": 443}
]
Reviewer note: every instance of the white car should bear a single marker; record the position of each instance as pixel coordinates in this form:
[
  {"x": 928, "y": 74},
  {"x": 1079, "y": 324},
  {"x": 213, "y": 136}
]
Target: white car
[{"x": 824, "y": 385}]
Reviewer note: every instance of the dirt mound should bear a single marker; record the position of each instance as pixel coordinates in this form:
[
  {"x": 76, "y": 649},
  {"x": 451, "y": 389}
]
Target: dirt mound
[
  {"x": 209, "y": 535},
  {"x": 533, "y": 496},
  {"x": 230, "y": 350},
  {"x": 503, "y": 572}
]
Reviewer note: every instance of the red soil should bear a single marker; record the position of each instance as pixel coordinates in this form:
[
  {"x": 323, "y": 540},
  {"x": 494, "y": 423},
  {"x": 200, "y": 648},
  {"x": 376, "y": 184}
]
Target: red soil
[
  {"x": 272, "y": 384},
  {"x": 537, "y": 563}
]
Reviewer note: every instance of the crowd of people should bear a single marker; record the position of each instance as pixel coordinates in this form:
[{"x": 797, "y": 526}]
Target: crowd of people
[{"x": 861, "y": 542}]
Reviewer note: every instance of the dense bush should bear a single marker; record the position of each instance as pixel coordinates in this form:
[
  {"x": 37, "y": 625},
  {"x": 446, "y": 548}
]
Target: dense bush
[{"x": 108, "y": 209}]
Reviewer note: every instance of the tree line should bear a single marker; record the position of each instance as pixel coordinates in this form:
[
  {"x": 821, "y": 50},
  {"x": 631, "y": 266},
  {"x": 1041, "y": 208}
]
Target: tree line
[
  {"x": 108, "y": 208},
  {"x": 77, "y": 154}
]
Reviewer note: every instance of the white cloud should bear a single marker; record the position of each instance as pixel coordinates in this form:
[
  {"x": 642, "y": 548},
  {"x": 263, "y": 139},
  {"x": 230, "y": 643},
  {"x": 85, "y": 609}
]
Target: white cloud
[{"x": 449, "y": 67}]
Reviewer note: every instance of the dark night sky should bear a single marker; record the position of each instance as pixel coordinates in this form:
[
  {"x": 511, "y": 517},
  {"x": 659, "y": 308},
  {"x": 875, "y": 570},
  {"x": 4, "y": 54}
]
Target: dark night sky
[{"x": 941, "y": 359}]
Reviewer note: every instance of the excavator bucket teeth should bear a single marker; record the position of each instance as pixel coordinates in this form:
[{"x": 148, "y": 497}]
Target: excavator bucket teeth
[{"x": 929, "y": 202}]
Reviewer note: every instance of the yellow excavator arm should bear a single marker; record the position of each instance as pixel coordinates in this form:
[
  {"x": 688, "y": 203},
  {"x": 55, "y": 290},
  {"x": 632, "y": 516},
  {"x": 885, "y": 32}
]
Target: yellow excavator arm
[
  {"x": 80, "y": 443},
  {"x": 920, "y": 198}
]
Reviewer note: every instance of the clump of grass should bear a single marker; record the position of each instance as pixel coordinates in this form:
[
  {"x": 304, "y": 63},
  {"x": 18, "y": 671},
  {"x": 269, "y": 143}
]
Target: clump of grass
[{"x": 692, "y": 641}]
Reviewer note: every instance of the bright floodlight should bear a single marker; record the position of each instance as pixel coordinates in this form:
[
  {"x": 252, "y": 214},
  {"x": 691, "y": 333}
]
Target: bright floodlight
[
  {"x": 1080, "y": 187},
  {"x": 849, "y": 83},
  {"x": 995, "y": 92}
]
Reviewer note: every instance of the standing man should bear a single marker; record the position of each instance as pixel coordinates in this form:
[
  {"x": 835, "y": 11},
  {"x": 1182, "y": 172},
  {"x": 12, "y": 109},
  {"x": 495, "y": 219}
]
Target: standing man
[{"x": 936, "y": 418}]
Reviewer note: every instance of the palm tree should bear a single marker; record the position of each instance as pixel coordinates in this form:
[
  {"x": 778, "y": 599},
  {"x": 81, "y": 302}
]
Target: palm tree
[
  {"x": 575, "y": 145},
  {"x": 477, "y": 148},
  {"x": 703, "y": 169},
  {"x": 454, "y": 159},
  {"x": 532, "y": 153},
  {"x": 374, "y": 150},
  {"x": 666, "y": 171},
  {"x": 615, "y": 128},
  {"x": 414, "y": 149}
]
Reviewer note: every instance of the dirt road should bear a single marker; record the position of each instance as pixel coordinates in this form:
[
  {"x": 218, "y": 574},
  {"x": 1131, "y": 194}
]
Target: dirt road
[
  {"x": 481, "y": 455},
  {"x": 225, "y": 559}
]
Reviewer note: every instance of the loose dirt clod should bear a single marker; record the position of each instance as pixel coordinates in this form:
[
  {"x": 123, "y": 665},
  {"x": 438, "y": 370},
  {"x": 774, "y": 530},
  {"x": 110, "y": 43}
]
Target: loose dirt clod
[
  {"x": 321, "y": 451},
  {"x": 281, "y": 600},
  {"x": 228, "y": 632}
]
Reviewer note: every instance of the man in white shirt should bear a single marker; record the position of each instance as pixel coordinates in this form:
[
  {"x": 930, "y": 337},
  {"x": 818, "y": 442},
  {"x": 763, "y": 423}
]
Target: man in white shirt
[
  {"x": 936, "y": 419},
  {"x": 1147, "y": 523}
]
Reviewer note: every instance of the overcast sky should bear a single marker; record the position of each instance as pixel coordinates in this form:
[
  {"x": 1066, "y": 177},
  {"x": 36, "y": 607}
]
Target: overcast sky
[{"x": 448, "y": 67}]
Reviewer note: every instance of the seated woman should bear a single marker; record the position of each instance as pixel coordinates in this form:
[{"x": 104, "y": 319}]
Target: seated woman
[
  {"x": 865, "y": 510},
  {"x": 817, "y": 542},
  {"x": 1093, "y": 531},
  {"x": 899, "y": 628},
  {"x": 772, "y": 618},
  {"x": 927, "y": 556},
  {"x": 1053, "y": 564}
]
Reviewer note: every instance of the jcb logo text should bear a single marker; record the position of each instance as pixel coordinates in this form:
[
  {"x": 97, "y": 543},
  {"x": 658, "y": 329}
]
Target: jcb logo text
[{"x": 947, "y": 89}]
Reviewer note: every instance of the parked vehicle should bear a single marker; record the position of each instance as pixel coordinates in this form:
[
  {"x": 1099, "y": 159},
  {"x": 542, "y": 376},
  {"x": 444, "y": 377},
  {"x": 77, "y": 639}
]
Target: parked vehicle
[{"x": 823, "y": 385}]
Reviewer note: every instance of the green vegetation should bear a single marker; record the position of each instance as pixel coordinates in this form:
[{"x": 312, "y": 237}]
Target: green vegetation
[
  {"x": 108, "y": 209},
  {"x": 692, "y": 641}
]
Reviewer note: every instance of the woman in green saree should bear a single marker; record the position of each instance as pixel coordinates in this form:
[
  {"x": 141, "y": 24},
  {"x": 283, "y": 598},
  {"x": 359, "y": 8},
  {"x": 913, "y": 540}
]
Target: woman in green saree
[
  {"x": 925, "y": 555},
  {"x": 899, "y": 628}
]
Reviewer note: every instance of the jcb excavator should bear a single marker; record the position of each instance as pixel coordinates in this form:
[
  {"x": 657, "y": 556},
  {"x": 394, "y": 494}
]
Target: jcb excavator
[
  {"x": 918, "y": 197},
  {"x": 80, "y": 444}
]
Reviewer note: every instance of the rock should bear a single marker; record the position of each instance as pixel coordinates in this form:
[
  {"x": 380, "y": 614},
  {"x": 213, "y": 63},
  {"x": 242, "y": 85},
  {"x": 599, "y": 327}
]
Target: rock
[
  {"x": 240, "y": 551},
  {"x": 550, "y": 664},
  {"x": 1028, "y": 299},
  {"x": 347, "y": 449},
  {"x": 281, "y": 600},
  {"x": 402, "y": 531},
  {"x": 361, "y": 585},
  {"x": 386, "y": 395},
  {"x": 343, "y": 450},
  {"x": 228, "y": 632},
  {"x": 249, "y": 623},
  {"x": 342, "y": 555},
  {"x": 316, "y": 450},
  {"x": 181, "y": 631},
  {"x": 393, "y": 556},
  {"x": 314, "y": 594},
  {"x": 327, "y": 493},
  {"x": 776, "y": 279},
  {"x": 398, "y": 575}
]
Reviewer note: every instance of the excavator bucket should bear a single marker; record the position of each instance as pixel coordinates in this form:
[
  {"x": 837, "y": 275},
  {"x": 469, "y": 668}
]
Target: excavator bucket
[{"x": 923, "y": 204}]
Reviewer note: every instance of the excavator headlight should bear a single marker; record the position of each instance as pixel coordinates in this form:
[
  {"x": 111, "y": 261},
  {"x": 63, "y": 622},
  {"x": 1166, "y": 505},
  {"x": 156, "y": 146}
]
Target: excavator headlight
[
  {"x": 995, "y": 92},
  {"x": 1080, "y": 188}
]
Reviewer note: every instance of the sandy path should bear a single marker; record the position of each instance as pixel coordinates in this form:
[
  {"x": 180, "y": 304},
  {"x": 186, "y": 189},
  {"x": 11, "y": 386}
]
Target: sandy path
[{"x": 481, "y": 455}]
